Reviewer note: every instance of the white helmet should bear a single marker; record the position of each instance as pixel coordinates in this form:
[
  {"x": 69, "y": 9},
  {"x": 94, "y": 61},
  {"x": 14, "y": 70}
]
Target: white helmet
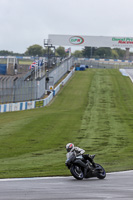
[{"x": 69, "y": 147}]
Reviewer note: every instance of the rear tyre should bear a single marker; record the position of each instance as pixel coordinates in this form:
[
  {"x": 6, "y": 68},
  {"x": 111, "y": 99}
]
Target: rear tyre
[
  {"x": 101, "y": 174},
  {"x": 76, "y": 171}
]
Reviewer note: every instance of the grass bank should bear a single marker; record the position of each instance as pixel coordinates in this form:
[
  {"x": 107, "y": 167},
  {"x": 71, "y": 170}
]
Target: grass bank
[{"x": 94, "y": 111}]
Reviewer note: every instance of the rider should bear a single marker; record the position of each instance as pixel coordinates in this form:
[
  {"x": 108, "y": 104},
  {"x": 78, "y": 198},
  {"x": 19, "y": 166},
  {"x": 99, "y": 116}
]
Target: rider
[{"x": 77, "y": 152}]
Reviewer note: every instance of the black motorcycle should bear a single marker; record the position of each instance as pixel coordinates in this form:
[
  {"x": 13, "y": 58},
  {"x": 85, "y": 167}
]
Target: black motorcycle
[{"x": 77, "y": 168}]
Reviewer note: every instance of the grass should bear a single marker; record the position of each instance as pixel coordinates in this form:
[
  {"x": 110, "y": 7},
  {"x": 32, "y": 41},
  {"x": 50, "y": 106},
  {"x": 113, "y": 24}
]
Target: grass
[
  {"x": 94, "y": 111},
  {"x": 21, "y": 62},
  {"x": 25, "y": 62}
]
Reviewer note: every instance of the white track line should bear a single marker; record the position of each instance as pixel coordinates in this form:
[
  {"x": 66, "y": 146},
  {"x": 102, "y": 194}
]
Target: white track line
[{"x": 54, "y": 177}]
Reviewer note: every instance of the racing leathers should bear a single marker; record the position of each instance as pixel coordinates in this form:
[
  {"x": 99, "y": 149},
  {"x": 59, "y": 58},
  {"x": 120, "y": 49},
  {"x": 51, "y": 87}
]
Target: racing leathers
[{"x": 77, "y": 152}]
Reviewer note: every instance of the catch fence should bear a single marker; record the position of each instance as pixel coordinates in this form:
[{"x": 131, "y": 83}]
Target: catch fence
[
  {"x": 105, "y": 63},
  {"x": 17, "y": 89},
  {"x": 58, "y": 72}
]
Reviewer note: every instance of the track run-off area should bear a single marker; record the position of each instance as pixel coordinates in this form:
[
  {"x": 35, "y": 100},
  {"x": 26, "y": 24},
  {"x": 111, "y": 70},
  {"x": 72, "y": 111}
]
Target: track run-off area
[{"x": 117, "y": 185}]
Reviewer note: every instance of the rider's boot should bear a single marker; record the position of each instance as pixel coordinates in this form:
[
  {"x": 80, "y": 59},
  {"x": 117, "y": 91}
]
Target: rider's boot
[
  {"x": 93, "y": 164},
  {"x": 86, "y": 169},
  {"x": 92, "y": 157}
]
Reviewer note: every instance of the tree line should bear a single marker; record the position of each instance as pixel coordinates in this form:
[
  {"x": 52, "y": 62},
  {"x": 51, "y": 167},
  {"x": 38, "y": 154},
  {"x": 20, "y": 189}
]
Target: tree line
[
  {"x": 35, "y": 50},
  {"x": 88, "y": 52},
  {"x": 102, "y": 52}
]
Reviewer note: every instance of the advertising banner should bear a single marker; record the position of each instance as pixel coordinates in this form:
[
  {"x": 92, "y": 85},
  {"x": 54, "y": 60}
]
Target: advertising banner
[
  {"x": 30, "y": 104},
  {"x": 39, "y": 104},
  {"x": 15, "y": 106},
  {"x": 94, "y": 41}
]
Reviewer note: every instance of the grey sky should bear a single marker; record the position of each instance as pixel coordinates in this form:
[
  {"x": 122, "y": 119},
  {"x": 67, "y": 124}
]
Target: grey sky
[{"x": 27, "y": 22}]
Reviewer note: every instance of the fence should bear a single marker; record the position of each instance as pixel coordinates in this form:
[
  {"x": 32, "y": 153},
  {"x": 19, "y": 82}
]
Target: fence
[
  {"x": 62, "y": 83},
  {"x": 106, "y": 63},
  {"x": 25, "y": 105},
  {"x": 17, "y": 89},
  {"x": 59, "y": 71},
  {"x": 37, "y": 103}
]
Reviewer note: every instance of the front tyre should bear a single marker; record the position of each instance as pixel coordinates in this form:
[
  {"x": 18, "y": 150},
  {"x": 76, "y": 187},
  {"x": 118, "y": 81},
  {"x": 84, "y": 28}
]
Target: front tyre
[
  {"x": 76, "y": 171},
  {"x": 101, "y": 174}
]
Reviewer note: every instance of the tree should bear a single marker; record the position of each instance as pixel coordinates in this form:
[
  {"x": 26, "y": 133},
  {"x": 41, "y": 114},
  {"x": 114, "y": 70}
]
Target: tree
[
  {"x": 10, "y": 53},
  {"x": 115, "y": 54},
  {"x": 120, "y": 52},
  {"x": 89, "y": 52},
  {"x": 6, "y": 53},
  {"x": 103, "y": 52},
  {"x": 34, "y": 50},
  {"x": 78, "y": 54},
  {"x": 60, "y": 51}
]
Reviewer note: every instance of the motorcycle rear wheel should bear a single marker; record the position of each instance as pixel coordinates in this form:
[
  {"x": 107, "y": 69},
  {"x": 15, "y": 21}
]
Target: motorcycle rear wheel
[{"x": 76, "y": 171}]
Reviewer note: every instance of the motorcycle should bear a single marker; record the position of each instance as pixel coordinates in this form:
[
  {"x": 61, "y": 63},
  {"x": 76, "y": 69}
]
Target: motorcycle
[{"x": 76, "y": 168}]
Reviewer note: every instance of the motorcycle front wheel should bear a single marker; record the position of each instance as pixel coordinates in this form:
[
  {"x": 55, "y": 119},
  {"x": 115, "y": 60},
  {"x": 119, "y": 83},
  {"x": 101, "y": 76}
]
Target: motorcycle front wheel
[
  {"x": 76, "y": 171},
  {"x": 101, "y": 174}
]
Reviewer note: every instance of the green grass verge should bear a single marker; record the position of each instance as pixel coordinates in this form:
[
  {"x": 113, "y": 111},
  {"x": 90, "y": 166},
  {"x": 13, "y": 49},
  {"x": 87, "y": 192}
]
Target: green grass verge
[
  {"x": 25, "y": 62},
  {"x": 94, "y": 110}
]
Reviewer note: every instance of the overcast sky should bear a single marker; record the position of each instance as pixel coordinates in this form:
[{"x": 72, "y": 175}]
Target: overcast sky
[{"x": 27, "y": 22}]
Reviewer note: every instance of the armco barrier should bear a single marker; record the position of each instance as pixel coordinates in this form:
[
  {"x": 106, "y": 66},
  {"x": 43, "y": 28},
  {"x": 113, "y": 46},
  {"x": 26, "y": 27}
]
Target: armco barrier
[
  {"x": 34, "y": 104},
  {"x": 63, "y": 82},
  {"x": 25, "y": 105}
]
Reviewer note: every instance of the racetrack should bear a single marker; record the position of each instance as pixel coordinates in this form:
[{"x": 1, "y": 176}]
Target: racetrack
[{"x": 118, "y": 185}]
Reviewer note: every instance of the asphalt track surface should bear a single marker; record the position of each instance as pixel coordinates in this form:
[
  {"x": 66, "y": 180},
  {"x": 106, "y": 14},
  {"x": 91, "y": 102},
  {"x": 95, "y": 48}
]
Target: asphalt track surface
[{"x": 116, "y": 186}]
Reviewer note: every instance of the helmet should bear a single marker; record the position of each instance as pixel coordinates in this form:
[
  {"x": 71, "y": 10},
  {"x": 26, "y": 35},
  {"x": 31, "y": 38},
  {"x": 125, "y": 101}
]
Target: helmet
[{"x": 69, "y": 147}]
